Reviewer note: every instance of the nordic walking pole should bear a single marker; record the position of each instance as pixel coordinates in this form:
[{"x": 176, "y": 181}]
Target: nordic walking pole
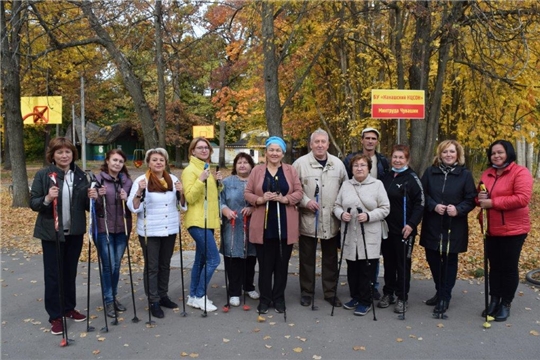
[
  {"x": 107, "y": 237},
  {"x": 135, "y": 318},
  {"x": 485, "y": 224},
  {"x": 106, "y": 327},
  {"x": 146, "y": 265},
  {"x": 405, "y": 244},
  {"x": 245, "y": 219},
  {"x": 90, "y": 240},
  {"x": 313, "y": 307},
  {"x": 227, "y": 306},
  {"x": 205, "y": 314},
  {"x": 178, "y": 206},
  {"x": 278, "y": 192},
  {"x": 268, "y": 186},
  {"x": 340, "y": 261},
  {"x": 442, "y": 302},
  {"x": 65, "y": 339},
  {"x": 359, "y": 209}
]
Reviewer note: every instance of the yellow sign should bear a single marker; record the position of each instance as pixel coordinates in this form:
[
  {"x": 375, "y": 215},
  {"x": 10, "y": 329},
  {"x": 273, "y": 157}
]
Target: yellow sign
[
  {"x": 205, "y": 131},
  {"x": 41, "y": 110},
  {"x": 397, "y": 104}
]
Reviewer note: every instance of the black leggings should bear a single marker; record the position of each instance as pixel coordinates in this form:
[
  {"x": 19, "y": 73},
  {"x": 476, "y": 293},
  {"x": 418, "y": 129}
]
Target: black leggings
[{"x": 503, "y": 254}]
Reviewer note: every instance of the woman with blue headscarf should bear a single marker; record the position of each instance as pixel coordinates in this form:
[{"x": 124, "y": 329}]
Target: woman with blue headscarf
[{"x": 273, "y": 190}]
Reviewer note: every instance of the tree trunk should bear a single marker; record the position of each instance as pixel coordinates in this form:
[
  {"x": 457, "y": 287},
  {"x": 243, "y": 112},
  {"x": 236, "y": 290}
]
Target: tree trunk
[
  {"x": 530, "y": 156},
  {"x": 131, "y": 82},
  {"x": 160, "y": 76},
  {"x": 12, "y": 101},
  {"x": 271, "y": 86},
  {"x": 418, "y": 76}
]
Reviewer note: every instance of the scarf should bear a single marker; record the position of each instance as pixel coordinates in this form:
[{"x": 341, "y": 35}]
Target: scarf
[
  {"x": 446, "y": 169},
  {"x": 159, "y": 185}
]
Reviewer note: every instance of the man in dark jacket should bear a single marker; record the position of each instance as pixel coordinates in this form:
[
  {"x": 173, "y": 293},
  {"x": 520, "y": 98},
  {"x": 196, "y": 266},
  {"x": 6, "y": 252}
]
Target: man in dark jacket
[{"x": 379, "y": 168}]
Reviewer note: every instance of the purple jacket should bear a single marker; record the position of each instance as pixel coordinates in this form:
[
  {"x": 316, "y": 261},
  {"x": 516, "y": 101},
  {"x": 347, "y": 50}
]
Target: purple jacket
[{"x": 115, "y": 213}]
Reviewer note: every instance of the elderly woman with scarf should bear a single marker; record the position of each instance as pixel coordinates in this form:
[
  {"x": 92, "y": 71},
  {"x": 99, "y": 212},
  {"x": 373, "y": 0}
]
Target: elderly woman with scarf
[
  {"x": 153, "y": 198},
  {"x": 273, "y": 189},
  {"x": 450, "y": 191}
]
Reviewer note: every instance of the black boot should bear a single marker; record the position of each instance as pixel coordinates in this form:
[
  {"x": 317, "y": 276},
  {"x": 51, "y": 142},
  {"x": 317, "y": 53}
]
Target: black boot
[
  {"x": 156, "y": 310},
  {"x": 441, "y": 307},
  {"x": 493, "y": 307},
  {"x": 504, "y": 312}
]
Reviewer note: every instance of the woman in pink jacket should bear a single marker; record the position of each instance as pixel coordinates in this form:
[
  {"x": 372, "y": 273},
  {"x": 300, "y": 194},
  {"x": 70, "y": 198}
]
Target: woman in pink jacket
[
  {"x": 273, "y": 189},
  {"x": 509, "y": 191}
]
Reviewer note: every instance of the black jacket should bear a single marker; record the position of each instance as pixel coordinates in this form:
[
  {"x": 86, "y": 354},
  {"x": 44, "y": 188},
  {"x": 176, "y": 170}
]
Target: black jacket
[
  {"x": 395, "y": 186},
  {"x": 44, "y": 228},
  {"x": 456, "y": 188},
  {"x": 383, "y": 166}
]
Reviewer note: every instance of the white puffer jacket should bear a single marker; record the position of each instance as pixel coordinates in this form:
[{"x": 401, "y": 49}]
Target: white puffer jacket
[{"x": 162, "y": 217}]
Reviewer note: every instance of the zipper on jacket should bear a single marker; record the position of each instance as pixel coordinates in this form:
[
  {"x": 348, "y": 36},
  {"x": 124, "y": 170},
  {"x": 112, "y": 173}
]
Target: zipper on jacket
[{"x": 502, "y": 211}]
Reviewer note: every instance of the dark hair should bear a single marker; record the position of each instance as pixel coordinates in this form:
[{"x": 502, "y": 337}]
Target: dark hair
[
  {"x": 59, "y": 143},
  {"x": 358, "y": 157},
  {"x": 105, "y": 166},
  {"x": 242, "y": 155},
  {"x": 508, "y": 147},
  {"x": 403, "y": 148}
]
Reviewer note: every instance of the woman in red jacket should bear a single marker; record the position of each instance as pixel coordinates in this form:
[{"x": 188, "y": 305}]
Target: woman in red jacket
[{"x": 509, "y": 190}]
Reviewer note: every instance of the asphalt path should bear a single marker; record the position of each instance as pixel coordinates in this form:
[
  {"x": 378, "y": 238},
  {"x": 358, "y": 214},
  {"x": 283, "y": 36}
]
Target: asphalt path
[{"x": 306, "y": 334}]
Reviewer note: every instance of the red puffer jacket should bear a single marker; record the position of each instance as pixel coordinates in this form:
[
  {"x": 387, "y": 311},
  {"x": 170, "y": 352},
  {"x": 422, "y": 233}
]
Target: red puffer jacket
[{"x": 510, "y": 193}]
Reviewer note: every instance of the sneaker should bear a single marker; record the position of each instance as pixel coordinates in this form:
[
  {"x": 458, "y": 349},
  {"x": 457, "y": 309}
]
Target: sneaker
[
  {"x": 279, "y": 307},
  {"x": 362, "y": 310},
  {"x": 75, "y": 315},
  {"x": 253, "y": 294},
  {"x": 156, "y": 310},
  {"x": 166, "y": 302},
  {"x": 57, "y": 327},
  {"x": 376, "y": 294},
  {"x": 199, "y": 303},
  {"x": 386, "y": 300},
  {"x": 119, "y": 307},
  {"x": 109, "y": 310},
  {"x": 401, "y": 307},
  {"x": 262, "y": 308},
  {"x": 351, "y": 304},
  {"x": 235, "y": 301},
  {"x": 191, "y": 301}
]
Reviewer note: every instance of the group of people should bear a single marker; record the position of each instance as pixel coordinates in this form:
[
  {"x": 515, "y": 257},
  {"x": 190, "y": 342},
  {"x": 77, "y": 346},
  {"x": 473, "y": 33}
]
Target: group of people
[{"x": 367, "y": 206}]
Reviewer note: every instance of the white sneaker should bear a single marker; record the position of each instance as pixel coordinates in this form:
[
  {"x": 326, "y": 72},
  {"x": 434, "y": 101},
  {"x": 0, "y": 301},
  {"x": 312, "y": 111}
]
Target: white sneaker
[
  {"x": 191, "y": 301},
  {"x": 235, "y": 301},
  {"x": 253, "y": 294},
  {"x": 199, "y": 303}
]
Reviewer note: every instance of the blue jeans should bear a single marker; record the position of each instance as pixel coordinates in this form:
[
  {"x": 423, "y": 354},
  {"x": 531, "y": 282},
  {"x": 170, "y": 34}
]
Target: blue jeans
[
  {"x": 117, "y": 245},
  {"x": 206, "y": 261}
]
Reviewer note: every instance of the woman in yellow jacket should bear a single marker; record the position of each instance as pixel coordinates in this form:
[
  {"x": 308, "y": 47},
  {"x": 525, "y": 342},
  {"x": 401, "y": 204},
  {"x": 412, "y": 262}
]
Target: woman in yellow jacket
[{"x": 201, "y": 219}]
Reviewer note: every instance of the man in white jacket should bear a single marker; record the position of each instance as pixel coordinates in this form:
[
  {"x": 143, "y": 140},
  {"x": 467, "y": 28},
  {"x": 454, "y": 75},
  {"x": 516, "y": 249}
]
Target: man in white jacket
[{"x": 321, "y": 175}]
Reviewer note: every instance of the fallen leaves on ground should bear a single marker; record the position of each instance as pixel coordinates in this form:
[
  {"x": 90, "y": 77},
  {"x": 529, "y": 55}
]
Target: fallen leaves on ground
[{"x": 357, "y": 348}]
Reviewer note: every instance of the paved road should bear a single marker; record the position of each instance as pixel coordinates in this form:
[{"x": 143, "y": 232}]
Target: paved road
[{"x": 237, "y": 335}]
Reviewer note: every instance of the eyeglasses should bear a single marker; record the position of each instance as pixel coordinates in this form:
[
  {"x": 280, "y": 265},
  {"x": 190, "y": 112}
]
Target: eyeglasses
[{"x": 202, "y": 148}]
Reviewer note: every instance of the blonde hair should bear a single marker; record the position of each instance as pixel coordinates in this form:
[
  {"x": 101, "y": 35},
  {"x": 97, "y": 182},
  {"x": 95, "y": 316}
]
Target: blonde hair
[
  {"x": 443, "y": 146},
  {"x": 160, "y": 151}
]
